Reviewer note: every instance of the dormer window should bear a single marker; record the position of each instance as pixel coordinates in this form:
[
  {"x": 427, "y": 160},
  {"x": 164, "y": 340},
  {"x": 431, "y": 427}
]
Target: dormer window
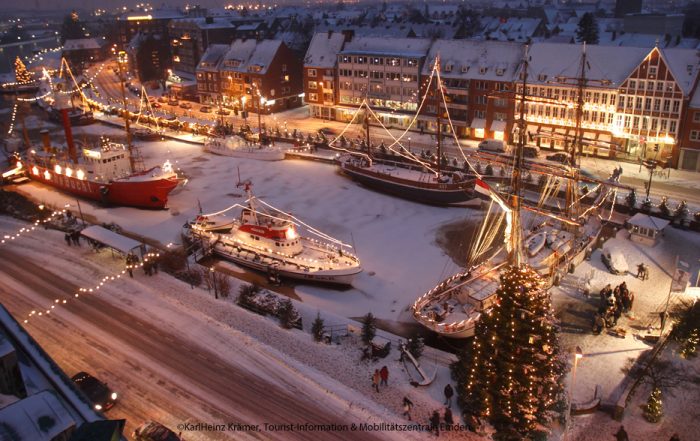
[
  {"x": 542, "y": 77},
  {"x": 465, "y": 69},
  {"x": 448, "y": 67},
  {"x": 499, "y": 71},
  {"x": 482, "y": 70}
]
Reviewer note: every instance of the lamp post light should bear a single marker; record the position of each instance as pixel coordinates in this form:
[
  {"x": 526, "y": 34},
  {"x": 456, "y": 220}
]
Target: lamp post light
[{"x": 578, "y": 354}]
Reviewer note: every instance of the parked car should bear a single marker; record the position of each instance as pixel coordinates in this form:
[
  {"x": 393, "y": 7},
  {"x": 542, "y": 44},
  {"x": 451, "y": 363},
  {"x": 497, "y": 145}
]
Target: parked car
[
  {"x": 327, "y": 131},
  {"x": 614, "y": 260},
  {"x": 205, "y": 109},
  {"x": 162, "y": 99},
  {"x": 170, "y": 117},
  {"x": 559, "y": 157},
  {"x": 185, "y": 105},
  {"x": 99, "y": 394},
  {"x": 531, "y": 151},
  {"x": 156, "y": 105},
  {"x": 153, "y": 431},
  {"x": 172, "y": 102},
  {"x": 493, "y": 145},
  {"x": 223, "y": 112}
]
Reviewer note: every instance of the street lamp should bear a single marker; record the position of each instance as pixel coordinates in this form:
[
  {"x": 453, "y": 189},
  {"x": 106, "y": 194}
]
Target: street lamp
[{"x": 578, "y": 354}]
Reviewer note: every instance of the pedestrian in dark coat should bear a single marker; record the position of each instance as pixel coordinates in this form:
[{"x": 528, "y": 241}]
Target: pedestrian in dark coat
[
  {"x": 67, "y": 238},
  {"x": 448, "y": 419},
  {"x": 621, "y": 434},
  {"x": 617, "y": 313},
  {"x": 407, "y": 407},
  {"x": 449, "y": 392},
  {"x": 375, "y": 380},
  {"x": 384, "y": 374},
  {"x": 435, "y": 423},
  {"x": 75, "y": 237}
]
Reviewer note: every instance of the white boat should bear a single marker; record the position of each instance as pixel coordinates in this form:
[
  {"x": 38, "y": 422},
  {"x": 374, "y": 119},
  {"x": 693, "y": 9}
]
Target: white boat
[
  {"x": 534, "y": 243},
  {"x": 268, "y": 241},
  {"x": 241, "y": 148}
]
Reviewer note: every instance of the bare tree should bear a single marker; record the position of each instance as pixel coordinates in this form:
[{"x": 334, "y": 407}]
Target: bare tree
[{"x": 660, "y": 373}]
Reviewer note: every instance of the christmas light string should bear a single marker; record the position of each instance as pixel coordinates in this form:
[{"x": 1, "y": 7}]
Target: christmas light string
[
  {"x": 8, "y": 238},
  {"x": 93, "y": 290},
  {"x": 12, "y": 119}
]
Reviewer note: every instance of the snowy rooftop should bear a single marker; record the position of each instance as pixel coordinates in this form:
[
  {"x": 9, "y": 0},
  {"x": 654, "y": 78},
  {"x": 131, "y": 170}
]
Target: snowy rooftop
[
  {"x": 511, "y": 29},
  {"x": 81, "y": 44},
  {"x": 212, "y": 56},
  {"x": 201, "y": 22},
  {"x": 646, "y": 221},
  {"x": 27, "y": 418},
  {"x": 549, "y": 60},
  {"x": 241, "y": 55},
  {"x": 408, "y": 47},
  {"x": 110, "y": 238},
  {"x": 684, "y": 65},
  {"x": 323, "y": 49},
  {"x": 470, "y": 59}
]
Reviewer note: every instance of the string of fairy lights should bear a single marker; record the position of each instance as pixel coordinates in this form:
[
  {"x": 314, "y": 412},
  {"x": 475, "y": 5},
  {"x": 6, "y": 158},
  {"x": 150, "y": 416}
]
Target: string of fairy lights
[
  {"x": 93, "y": 290},
  {"x": 8, "y": 238}
]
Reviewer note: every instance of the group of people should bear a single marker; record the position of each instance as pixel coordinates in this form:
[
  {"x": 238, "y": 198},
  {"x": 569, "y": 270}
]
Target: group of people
[
  {"x": 380, "y": 376},
  {"x": 613, "y": 303},
  {"x": 72, "y": 238},
  {"x": 642, "y": 271}
]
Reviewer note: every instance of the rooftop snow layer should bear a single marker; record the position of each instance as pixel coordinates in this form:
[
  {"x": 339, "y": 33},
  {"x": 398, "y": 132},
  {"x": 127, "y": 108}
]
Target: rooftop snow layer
[
  {"x": 323, "y": 49},
  {"x": 410, "y": 47}
]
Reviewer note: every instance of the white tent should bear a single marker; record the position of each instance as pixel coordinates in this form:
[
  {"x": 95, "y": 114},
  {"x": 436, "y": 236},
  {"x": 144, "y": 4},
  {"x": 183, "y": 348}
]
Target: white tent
[
  {"x": 645, "y": 229},
  {"x": 111, "y": 239}
]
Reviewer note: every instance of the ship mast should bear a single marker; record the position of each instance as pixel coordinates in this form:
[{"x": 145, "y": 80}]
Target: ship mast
[
  {"x": 121, "y": 61},
  {"x": 437, "y": 114},
  {"x": 576, "y": 148},
  {"x": 515, "y": 258}
]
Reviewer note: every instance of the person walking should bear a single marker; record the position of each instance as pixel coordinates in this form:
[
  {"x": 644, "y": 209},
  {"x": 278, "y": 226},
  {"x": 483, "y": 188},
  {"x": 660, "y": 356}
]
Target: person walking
[
  {"x": 407, "y": 407},
  {"x": 448, "y": 419},
  {"x": 621, "y": 434},
  {"x": 75, "y": 237},
  {"x": 67, "y": 238},
  {"x": 449, "y": 392},
  {"x": 435, "y": 423},
  {"x": 130, "y": 264},
  {"x": 384, "y": 374},
  {"x": 375, "y": 380}
]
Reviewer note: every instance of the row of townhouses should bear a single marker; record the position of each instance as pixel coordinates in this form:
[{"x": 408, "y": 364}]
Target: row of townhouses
[{"x": 639, "y": 103}]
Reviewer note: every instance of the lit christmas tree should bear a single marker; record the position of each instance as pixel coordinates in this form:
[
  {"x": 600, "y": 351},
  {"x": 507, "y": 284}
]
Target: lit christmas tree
[
  {"x": 21, "y": 73},
  {"x": 511, "y": 372},
  {"x": 653, "y": 411}
]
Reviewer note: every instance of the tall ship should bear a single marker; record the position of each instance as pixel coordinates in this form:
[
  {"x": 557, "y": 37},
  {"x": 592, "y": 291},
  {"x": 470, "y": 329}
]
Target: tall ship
[
  {"x": 550, "y": 239},
  {"x": 414, "y": 179},
  {"x": 266, "y": 239},
  {"x": 110, "y": 173}
]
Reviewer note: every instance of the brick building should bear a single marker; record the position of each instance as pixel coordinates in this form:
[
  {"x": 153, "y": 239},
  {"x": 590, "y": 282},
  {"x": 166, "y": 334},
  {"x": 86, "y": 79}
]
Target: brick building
[
  {"x": 478, "y": 79},
  {"x": 251, "y": 73},
  {"x": 321, "y": 74},
  {"x": 689, "y": 138}
]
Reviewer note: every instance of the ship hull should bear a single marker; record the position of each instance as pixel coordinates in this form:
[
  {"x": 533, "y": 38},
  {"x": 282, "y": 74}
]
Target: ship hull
[
  {"x": 151, "y": 193},
  {"x": 247, "y": 259},
  {"x": 426, "y": 193}
]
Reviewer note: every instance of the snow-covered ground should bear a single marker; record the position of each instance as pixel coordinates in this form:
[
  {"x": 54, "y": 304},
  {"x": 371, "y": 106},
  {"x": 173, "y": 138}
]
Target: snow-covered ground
[{"x": 396, "y": 241}]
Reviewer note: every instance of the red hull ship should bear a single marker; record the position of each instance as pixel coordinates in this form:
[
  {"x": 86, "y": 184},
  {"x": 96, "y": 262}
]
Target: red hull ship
[{"x": 103, "y": 173}]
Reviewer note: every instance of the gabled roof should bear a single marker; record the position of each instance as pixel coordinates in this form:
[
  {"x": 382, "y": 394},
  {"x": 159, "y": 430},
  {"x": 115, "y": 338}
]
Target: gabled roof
[
  {"x": 212, "y": 56},
  {"x": 615, "y": 64},
  {"x": 250, "y": 53},
  {"x": 323, "y": 49},
  {"x": 684, "y": 65},
  {"x": 407, "y": 47},
  {"x": 479, "y": 60}
]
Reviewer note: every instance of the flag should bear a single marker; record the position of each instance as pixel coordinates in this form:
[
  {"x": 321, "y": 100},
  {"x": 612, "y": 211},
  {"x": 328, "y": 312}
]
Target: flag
[
  {"x": 681, "y": 277},
  {"x": 482, "y": 187}
]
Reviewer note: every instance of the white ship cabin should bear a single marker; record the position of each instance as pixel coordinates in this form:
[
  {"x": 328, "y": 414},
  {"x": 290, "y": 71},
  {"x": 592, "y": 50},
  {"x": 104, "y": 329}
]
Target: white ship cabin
[
  {"x": 272, "y": 235},
  {"x": 109, "y": 162}
]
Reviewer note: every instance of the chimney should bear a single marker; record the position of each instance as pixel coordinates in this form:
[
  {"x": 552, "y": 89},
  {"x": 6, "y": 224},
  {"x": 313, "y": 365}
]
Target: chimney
[{"x": 45, "y": 140}]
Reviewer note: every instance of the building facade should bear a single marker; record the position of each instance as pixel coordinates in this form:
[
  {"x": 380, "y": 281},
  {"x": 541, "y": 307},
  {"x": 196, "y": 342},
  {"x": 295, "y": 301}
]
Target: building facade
[{"x": 321, "y": 74}]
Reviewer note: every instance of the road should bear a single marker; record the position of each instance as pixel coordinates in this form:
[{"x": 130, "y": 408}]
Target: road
[{"x": 160, "y": 373}]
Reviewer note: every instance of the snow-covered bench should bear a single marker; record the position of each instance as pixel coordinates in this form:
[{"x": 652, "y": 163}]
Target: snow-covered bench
[{"x": 588, "y": 406}]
